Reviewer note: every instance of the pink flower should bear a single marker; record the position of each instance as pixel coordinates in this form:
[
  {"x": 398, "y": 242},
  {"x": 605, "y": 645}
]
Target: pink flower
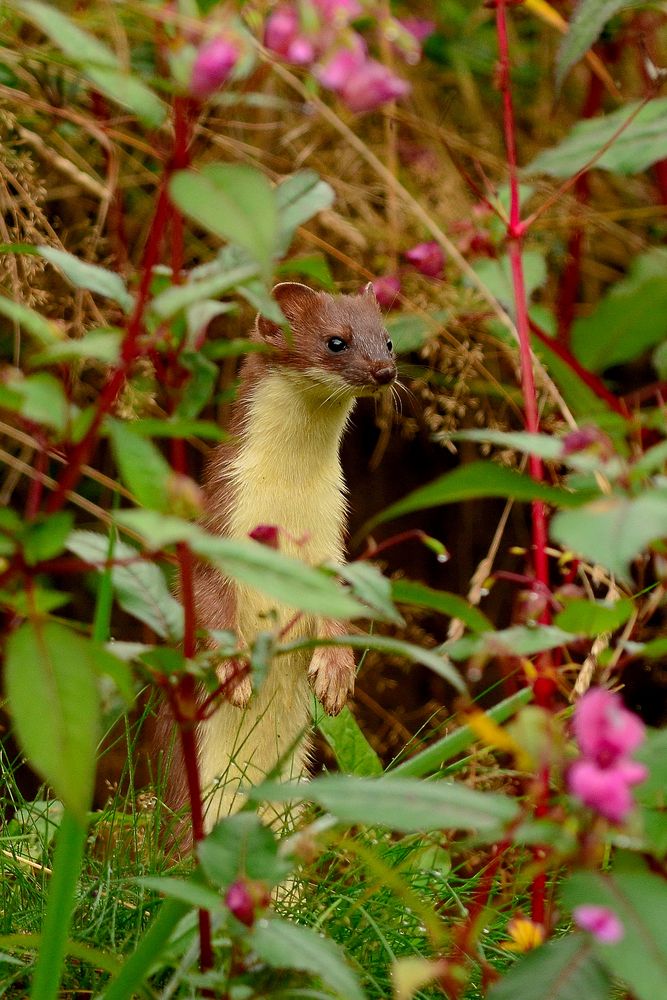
[
  {"x": 387, "y": 289},
  {"x": 606, "y": 790},
  {"x": 283, "y": 35},
  {"x": 428, "y": 258},
  {"x": 245, "y": 898},
  {"x": 604, "y": 729},
  {"x": 335, "y": 73},
  {"x": 599, "y": 921},
  {"x": 606, "y": 733},
  {"x": 362, "y": 83},
  {"x": 212, "y": 67}
]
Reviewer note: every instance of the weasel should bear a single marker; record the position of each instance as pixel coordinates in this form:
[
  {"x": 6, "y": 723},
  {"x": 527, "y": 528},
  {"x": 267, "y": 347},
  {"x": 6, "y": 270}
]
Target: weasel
[{"x": 282, "y": 468}]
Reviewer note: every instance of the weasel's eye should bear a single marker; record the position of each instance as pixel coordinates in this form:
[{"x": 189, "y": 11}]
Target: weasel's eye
[
  {"x": 337, "y": 344},
  {"x": 390, "y": 346}
]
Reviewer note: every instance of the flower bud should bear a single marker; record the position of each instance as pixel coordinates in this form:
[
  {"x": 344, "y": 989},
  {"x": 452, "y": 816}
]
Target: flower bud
[
  {"x": 428, "y": 258},
  {"x": 387, "y": 289},
  {"x": 212, "y": 67}
]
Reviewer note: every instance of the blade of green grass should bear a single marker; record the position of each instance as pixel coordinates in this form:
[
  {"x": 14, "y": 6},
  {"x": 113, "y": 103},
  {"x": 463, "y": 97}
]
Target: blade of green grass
[{"x": 429, "y": 760}]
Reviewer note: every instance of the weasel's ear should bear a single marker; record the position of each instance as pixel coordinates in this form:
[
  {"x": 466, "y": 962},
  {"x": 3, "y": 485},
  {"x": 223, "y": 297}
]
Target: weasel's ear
[
  {"x": 368, "y": 289},
  {"x": 296, "y": 301}
]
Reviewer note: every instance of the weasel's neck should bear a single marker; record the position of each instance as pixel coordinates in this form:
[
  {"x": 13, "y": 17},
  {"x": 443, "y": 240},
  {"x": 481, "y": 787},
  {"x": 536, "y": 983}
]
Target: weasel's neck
[{"x": 286, "y": 469}]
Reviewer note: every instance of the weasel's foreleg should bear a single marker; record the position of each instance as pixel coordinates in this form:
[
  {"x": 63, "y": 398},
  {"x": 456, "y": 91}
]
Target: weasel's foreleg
[{"x": 332, "y": 669}]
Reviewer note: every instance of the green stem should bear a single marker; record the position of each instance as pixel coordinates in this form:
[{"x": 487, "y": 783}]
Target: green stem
[{"x": 68, "y": 858}]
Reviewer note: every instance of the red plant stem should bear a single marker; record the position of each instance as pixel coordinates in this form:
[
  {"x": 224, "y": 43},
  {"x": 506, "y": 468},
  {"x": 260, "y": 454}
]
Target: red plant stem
[
  {"x": 129, "y": 350},
  {"x": 515, "y": 233},
  {"x": 543, "y": 685},
  {"x": 36, "y": 487}
]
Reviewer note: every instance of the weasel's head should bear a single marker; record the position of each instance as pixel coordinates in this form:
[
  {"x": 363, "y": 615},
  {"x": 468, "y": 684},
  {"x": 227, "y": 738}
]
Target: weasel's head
[{"x": 336, "y": 341}]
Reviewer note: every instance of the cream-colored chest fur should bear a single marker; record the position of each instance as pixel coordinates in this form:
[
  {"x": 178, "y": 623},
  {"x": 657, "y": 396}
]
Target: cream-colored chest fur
[{"x": 286, "y": 472}]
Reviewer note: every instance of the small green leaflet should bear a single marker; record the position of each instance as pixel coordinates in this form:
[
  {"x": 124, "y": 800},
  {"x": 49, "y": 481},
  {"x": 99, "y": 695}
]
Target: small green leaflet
[{"x": 588, "y": 20}]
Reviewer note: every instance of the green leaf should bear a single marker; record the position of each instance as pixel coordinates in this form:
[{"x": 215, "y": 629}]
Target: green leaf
[
  {"x": 497, "y": 275},
  {"x": 371, "y": 587},
  {"x": 178, "y": 428},
  {"x": 97, "y": 62},
  {"x": 298, "y": 198},
  {"x": 53, "y": 701},
  {"x": 641, "y": 144},
  {"x": 39, "y": 328},
  {"x": 191, "y": 892},
  {"x": 517, "y": 640},
  {"x": 284, "y": 945},
  {"x": 200, "y": 386},
  {"x": 90, "y": 276},
  {"x": 404, "y": 804},
  {"x": 628, "y": 321},
  {"x": 142, "y": 467},
  {"x": 639, "y": 900},
  {"x": 566, "y": 969},
  {"x": 98, "y": 345},
  {"x": 473, "y": 481},
  {"x": 233, "y": 201},
  {"x": 241, "y": 846},
  {"x": 588, "y": 20},
  {"x": 408, "y": 333},
  {"x": 44, "y": 538},
  {"x": 592, "y": 618},
  {"x": 420, "y": 596},
  {"x": 353, "y": 752},
  {"x": 546, "y": 446},
  {"x": 172, "y": 300},
  {"x": 40, "y": 398},
  {"x": 314, "y": 267},
  {"x": 436, "y": 661},
  {"x": 613, "y": 530},
  {"x": 140, "y": 588},
  {"x": 287, "y": 580}
]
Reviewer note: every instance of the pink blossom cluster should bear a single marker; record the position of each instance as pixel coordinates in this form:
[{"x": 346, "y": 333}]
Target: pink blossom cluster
[
  {"x": 607, "y": 733},
  {"x": 427, "y": 258},
  {"x": 337, "y": 54}
]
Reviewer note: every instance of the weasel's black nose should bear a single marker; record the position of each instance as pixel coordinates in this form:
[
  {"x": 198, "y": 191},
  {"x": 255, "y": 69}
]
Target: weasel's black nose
[{"x": 384, "y": 374}]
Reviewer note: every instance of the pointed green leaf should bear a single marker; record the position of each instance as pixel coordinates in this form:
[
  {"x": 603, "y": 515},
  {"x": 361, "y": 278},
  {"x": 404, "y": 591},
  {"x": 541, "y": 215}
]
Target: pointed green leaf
[
  {"x": 143, "y": 468},
  {"x": 560, "y": 970},
  {"x": 53, "y": 701},
  {"x": 234, "y": 202},
  {"x": 469, "y": 482},
  {"x": 591, "y": 618},
  {"x": 588, "y": 20},
  {"x": 97, "y": 62},
  {"x": 41, "y": 329},
  {"x": 639, "y": 900},
  {"x": 641, "y": 144},
  {"x": 613, "y": 530},
  {"x": 90, "y": 276},
  {"x": 284, "y": 945},
  {"x": 353, "y": 752},
  {"x": 452, "y": 605},
  {"x": 404, "y": 804}
]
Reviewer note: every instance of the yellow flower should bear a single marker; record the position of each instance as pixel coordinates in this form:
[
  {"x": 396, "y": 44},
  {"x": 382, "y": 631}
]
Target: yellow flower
[{"x": 525, "y": 935}]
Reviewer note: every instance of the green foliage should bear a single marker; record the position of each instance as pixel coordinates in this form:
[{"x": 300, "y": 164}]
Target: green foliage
[
  {"x": 639, "y": 900},
  {"x": 642, "y": 143},
  {"x": 53, "y": 698},
  {"x": 354, "y": 754},
  {"x": 588, "y": 20},
  {"x": 89, "y": 276},
  {"x": 565, "y": 970}
]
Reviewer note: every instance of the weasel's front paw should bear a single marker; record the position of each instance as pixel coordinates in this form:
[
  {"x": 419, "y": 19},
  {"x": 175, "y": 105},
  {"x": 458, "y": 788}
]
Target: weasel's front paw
[
  {"x": 331, "y": 676},
  {"x": 235, "y": 676}
]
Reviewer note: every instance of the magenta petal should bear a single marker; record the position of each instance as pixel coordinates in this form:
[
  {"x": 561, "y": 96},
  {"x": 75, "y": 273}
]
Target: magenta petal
[
  {"x": 428, "y": 258},
  {"x": 336, "y": 71},
  {"x": 604, "y": 728},
  {"x": 387, "y": 289},
  {"x": 212, "y": 66},
  {"x": 599, "y": 921},
  {"x": 603, "y": 789},
  {"x": 371, "y": 86}
]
